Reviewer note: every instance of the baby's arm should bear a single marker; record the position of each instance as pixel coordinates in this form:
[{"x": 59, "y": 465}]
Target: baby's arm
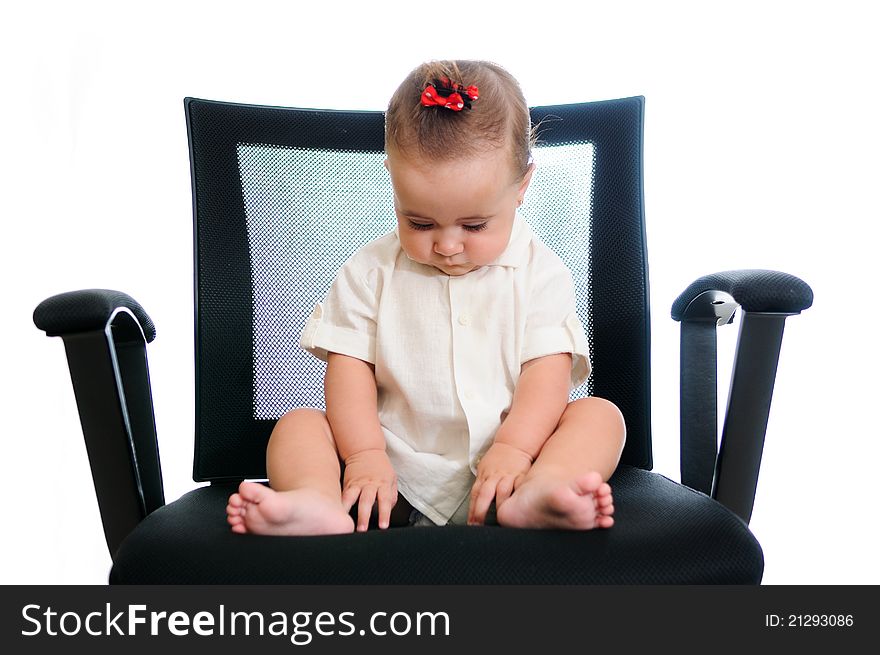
[
  {"x": 540, "y": 397},
  {"x": 350, "y": 393}
]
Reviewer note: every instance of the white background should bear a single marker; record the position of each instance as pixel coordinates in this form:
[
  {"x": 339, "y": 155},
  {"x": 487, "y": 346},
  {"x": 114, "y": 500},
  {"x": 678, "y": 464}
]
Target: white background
[{"x": 762, "y": 144}]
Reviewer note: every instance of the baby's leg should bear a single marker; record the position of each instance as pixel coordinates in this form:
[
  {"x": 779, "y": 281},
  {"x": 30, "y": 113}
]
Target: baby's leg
[
  {"x": 304, "y": 472},
  {"x": 565, "y": 487}
]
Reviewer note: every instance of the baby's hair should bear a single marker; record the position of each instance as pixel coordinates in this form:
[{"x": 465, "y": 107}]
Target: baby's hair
[{"x": 499, "y": 119}]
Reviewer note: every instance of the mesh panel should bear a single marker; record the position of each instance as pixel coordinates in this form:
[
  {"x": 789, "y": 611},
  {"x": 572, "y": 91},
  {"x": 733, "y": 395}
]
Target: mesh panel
[{"x": 308, "y": 210}]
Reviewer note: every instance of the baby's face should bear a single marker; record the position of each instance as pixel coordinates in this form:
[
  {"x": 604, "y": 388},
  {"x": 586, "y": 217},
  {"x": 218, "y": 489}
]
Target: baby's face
[{"x": 455, "y": 216}]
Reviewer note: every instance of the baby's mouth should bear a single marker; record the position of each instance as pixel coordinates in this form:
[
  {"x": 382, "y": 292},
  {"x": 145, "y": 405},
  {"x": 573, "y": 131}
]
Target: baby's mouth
[{"x": 456, "y": 268}]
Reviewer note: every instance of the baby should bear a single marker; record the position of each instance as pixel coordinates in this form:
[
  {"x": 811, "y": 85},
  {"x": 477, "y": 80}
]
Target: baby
[{"x": 452, "y": 344}]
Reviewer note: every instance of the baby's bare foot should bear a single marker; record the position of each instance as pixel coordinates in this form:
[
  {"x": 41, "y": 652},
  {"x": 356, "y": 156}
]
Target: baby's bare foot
[
  {"x": 544, "y": 502},
  {"x": 260, "y": 510}
]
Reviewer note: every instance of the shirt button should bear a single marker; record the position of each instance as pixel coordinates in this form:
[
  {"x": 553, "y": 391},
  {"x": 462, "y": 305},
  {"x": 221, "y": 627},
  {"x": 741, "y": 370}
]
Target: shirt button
[{"x": 464, "y": 319}]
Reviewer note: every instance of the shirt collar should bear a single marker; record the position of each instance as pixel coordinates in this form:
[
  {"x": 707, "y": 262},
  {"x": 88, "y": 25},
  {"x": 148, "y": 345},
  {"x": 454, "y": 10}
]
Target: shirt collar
[{"x": 518, "y": 246}]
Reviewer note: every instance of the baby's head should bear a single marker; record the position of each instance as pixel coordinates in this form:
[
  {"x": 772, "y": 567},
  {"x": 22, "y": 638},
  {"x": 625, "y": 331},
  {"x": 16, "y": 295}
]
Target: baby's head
[
  {"x": 499, "y": 119},
  {"x": 458, "y": 173}
]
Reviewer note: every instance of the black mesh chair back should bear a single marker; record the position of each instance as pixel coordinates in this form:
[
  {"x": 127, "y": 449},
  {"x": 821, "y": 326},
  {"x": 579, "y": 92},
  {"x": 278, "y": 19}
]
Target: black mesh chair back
[{"x": 282, "y": 197}]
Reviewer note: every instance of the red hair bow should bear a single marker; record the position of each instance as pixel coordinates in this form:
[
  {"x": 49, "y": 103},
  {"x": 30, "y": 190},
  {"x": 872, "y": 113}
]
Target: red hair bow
[{"x": 450, "y": 96}]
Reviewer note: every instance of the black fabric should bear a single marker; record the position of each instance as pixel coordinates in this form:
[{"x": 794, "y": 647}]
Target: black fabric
[
  {"x": 699, "y": 404},
  {"x": 664, "y": 533},
  {"x": 231, "y": 429},
  {"x": 88, "y": 309},
  {"x": 755, "y": 290}
]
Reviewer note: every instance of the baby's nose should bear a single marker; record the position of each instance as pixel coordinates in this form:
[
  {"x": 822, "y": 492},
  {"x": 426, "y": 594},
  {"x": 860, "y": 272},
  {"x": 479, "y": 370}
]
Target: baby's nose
[{"x": 448, "y": 247}]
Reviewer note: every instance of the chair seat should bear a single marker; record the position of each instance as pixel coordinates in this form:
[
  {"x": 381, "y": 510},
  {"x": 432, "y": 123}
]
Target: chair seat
[{"x": 691, "y": 539}]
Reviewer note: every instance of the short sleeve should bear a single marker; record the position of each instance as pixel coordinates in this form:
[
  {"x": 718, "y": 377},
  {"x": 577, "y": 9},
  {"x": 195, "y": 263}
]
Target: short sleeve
[
  {"x": 345, "y": 322},
  {"x": 552, "y": 322}
]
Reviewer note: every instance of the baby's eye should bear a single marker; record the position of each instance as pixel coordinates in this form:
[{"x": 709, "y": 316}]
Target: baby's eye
[
  {"x": 420, "y": 226},
  {"x": 475, "y": 228}
]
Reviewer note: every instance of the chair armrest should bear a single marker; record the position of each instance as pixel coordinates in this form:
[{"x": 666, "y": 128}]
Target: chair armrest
[
  {"x": 88, "y": 309},
  {"x": 767, "y": 298},
  {"x": 105, "y": 335},
  {"x": 755, "y": 290}
]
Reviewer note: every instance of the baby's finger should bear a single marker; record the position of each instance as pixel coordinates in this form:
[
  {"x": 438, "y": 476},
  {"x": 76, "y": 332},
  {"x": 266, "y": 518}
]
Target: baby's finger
[
  {"x": 365, "y": 507},
  {"x": 484, "y": 499},
  {"x": 387, "y": 500},
  {"x": 349, "y": 496},
  {"x": 475, "y": 492},
  {"x": 505, "y": 488}
]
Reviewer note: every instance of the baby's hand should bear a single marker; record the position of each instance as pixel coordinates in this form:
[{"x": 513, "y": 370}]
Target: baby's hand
[
  {"x": 370, "y": 476},
  {"x": 499, "y": 472}
]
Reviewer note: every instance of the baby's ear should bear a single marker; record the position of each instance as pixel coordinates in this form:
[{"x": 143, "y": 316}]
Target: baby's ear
[
  {"x": 526, "y": 180},
  {"x": 385, "y": 163}
]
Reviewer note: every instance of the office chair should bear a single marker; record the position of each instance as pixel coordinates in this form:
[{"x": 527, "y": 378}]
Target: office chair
[{"x": 281, "y": 197}]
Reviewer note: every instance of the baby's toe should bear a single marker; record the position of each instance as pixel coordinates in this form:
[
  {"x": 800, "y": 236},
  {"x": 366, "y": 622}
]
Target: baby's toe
[
  {"x": 589, "y": 483},
  {"x": 604, "y": 521},
  {"x": 253, "y": 492}
]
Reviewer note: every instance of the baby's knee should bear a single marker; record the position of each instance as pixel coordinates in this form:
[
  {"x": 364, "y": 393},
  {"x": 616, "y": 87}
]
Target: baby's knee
[
  {"x": 302, "y": 414},
  {"x": 600, "y": 411},
  {"x": 300, "y": 422}
]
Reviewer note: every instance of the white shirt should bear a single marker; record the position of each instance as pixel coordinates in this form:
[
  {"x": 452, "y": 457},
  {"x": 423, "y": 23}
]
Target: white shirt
[{"x": 447, "y": 351}]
